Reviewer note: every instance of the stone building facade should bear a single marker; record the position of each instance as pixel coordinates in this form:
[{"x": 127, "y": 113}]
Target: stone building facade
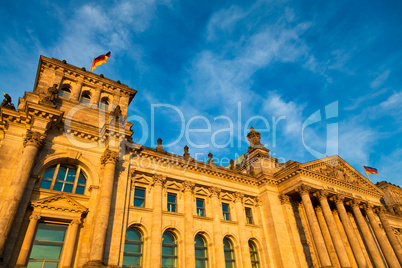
[{"x": 76, "y": 191}]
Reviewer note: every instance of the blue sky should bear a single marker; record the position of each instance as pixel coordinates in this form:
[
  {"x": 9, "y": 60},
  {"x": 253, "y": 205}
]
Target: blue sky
[{"x": 281, "y": 59}]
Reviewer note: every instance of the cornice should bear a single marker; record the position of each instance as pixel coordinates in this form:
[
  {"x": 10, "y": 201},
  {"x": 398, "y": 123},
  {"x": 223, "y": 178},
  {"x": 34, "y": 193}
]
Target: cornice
[{"x": 194, "y": 165}]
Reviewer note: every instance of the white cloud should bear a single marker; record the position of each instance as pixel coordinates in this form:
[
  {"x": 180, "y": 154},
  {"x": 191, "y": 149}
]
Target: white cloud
[{"x": 380, "y": 79}]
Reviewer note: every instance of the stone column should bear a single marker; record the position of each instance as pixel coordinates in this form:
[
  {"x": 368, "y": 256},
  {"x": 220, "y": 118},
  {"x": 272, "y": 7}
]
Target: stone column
[
  {"x": 391, "y": 235},
  {"x": 327, "y": 237},
  {"x": 33, "y": 141},
  {"x": 368, "y": 238},
  {"x": 69, "y": 244},
  {"x": 354, "y": 242},
  {"x": 156, "y": 226},
  {"x": 28, "y": 239},
  {"x": 304, "y": 192},
  {"x": 189, "y": 224},
  {"x": 333, "y": 229},
  {"x": 241, "y": 222},
  {"x": 95, "y": 98},
  {"x": 75, "y": 93},
  {"x": 218, "y": 239},
  {"x": 382, "y": 239},
  {"x": 109, "y": 161}
]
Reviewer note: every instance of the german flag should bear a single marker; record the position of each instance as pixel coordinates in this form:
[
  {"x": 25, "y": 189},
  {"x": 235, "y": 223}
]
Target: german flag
[
  {"x": 99, "y": 60},
  {"x": 370, "y": 170}
]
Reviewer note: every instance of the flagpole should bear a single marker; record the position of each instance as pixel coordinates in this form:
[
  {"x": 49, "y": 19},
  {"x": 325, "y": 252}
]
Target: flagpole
[
  {"x": 93, "y": 59},
  {"x": 366, "y": 173}
]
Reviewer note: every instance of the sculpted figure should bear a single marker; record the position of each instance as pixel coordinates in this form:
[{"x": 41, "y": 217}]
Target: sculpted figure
[{"x": 7, "y": 102}]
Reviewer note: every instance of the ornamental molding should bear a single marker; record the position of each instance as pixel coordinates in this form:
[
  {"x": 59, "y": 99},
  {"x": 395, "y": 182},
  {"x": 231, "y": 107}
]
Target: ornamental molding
[
  {"x": 34, "y": 138},
  {"x": 158, "y": 179},
  {"x": 60, "y": 202},
  {"x": 109, "y": 156},
  {"x": 215, "y": 191}
]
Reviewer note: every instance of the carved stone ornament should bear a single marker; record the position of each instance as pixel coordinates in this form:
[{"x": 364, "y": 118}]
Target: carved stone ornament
[
  {"x": 355, "y": 203},
  {"x": 158, "y": 179},
  {"x": 186, "y": 154},
  {"x": 34, "y": 138},
  {"x": 109, "y": 156},
  {"x": 51, "y": 96},
  {"x": 380, "y": 210},
  {"x": 368, "y": 207},
  {"x": 159, "y": 147},
  {"x": 303, "y": 189},
  {"x": 34, "y": 217},
  {"x": 254, "y": 139},
  {"x": 322, "y": 194},
  {"x": 76, "y": 221},
  {"x": 7, "y": 102},
  {"x": 285, "y": 199},
  {"x": 215, "y": 191},
  {"x": 239, "y": 197},
  {"x": 188, "y": 186},
  {"x": 338, "y": 199},
  {"x": 210, "y": 158}
]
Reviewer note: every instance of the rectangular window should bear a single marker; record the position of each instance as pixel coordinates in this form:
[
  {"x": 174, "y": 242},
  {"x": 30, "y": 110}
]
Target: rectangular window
[
  {"x": 139, "y": 197},
  {"x": 47, "y": 246},
  {"x": 171, "y": 202},
  {"x": 226, "y": 211},
  {"x": 249, "y": 215},
  {"x": 200, "y": 207}
]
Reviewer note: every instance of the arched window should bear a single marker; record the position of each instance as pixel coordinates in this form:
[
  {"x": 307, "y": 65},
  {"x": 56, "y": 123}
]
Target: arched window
[
  {"x": 255, "y": 261},
  {"x": 169, "y": 250},
  {"x": 85, "y": 97},
  {"x": 65, "y": 91},
  {"x": 104, "y": 104},
  {"x": 229, "y": 253},
  {"x": 201, "y": 252},
  {"x": 64, "y": 178},
  {"x": 133, "y": 248}
]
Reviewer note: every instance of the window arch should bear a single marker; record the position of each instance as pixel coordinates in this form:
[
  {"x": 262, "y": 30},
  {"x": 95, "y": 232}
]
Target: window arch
[
  {"x": 169, "y": 250},
  {"x": 64, "y": 178},
  {"x": 65, "y": 91},
  {"x": 230, "y": 261},
  {"x": 255, "y": 261},
  {"x": 133, "y": 248},
  {"x": 104, "y": 104},
  {"x": 85, "y": 97},
  {"x": 201, "y": 252}
]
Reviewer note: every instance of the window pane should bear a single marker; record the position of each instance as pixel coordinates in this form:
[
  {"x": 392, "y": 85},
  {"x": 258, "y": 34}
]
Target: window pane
[
  {"x": 168, "y": 262},
  {"x": 35, "y": 264},
  {"x": 45, "y": 184},
  {"x": 51, "y": 264},
  {"x": 49, "y": 173},
  {"x": 62, "y": 173},
  {"x": 133, "y": 248},
  {"x": 200, "y": 203},
  {"x": 200, "y": 264},
  {"x": 139, "y": 192},
  {"x": 51, "y": 232},
  {"x": 81, "y": 179},
  {"x": 80, "y": 189},
  {"x": 139, "y": 203},
  {"x": 132, "y": 260},
  {"x": 71, "y": 174},
  {"x": 225, "y": 207},
  {"x": 68, "y": 188},
  {"x": 171, "y": 198},
  {"x": 58, "y": 186}
]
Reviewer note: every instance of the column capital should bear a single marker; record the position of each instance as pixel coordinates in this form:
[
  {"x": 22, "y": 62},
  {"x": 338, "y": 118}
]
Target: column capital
[
  {"x": 188, "y": 186},
  {"x": 321, "y": 194},
  {"x": 238, "y": 196},
  {"x": 335, "y": 213},
  {"x": 303, "y": 189},
  {"x": 215, "y": 191},
  {"x": 34, "y": 138},
  {"x": 109, "y": 156},
  {"x": 318, "y": 209},
  {"x": 285, "y": 199},
  {"x": 338, "y": 199},
  {"x": 368, "y": 207},
  {"x": 158, "y": 179},
  {"x": 355, "y": 203},
  {"x": 380, "y": 210},
  {"x": 76, "y": 222},
  {"x": 34, "y": 217}
]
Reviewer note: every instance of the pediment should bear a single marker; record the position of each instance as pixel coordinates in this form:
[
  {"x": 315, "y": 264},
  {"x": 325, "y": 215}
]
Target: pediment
[
  {"x": 142, "y": 179},
  {"x": 202, "y": 191},
  {"x": 336, "y": 168},
  {"x": 174, "y": 185},
  {"x": 60, "y": 202},
  {"x": 249, "y": 201},
  {"x": 227, "y": 196}
]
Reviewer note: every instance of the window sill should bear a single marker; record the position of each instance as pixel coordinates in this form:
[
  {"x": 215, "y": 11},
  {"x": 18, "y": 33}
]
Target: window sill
[
  {"x": 173, "y": 213},
  {"x": 230, "y": 222},
  {"x": 203, "y": 218},
  {"x": 253, "y": 225},
  {"x": 140, "y": 208}
]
